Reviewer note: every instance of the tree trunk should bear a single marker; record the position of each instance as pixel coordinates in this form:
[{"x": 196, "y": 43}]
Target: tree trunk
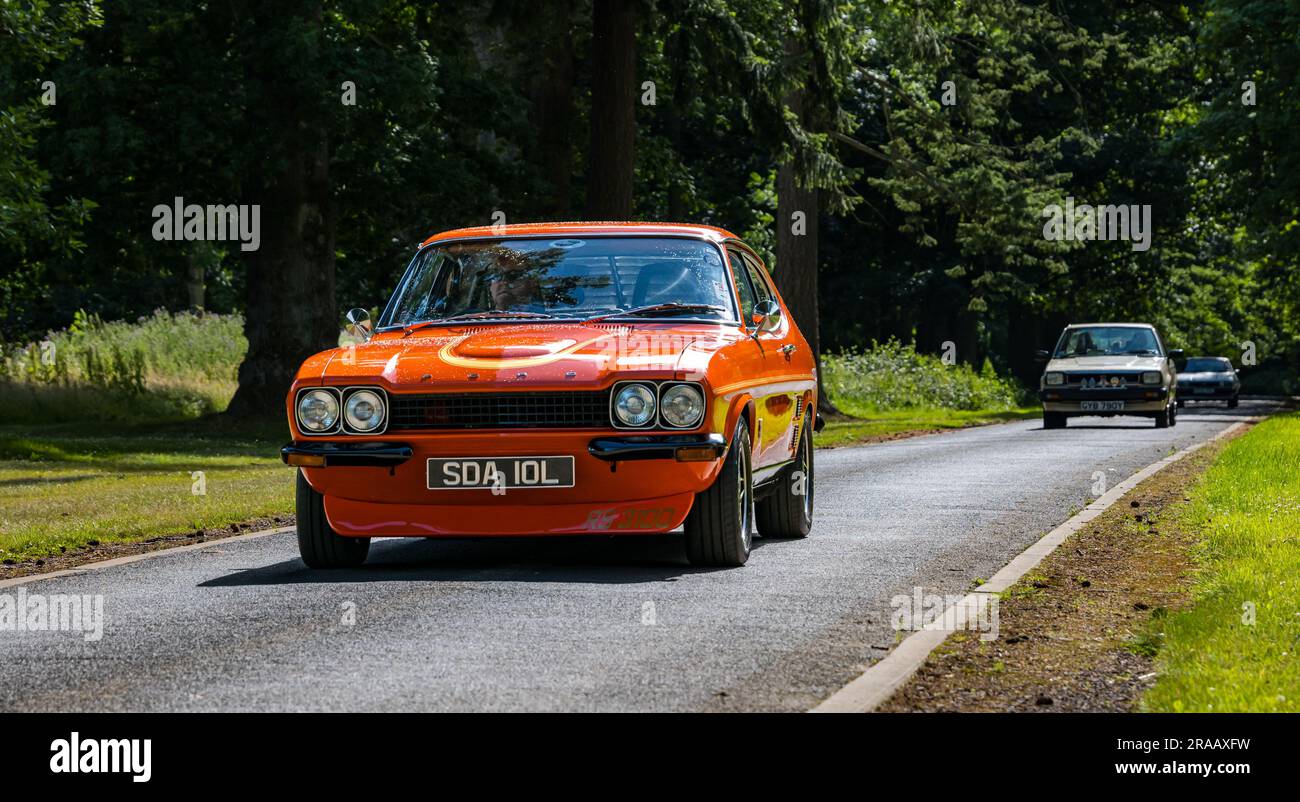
[
  {"x": 796, "y": 254},
  {"x": 291, "y": 312},
  {"x": 197, "y": 259},
  {"x": 613, "y": 110},
  {"x": 553, "y": 109}
]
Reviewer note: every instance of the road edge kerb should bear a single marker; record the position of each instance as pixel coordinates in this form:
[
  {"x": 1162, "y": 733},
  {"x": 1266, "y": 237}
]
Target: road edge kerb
[
  {"x": 874, "y": 686},
  {"x": 148, "y": 555}
]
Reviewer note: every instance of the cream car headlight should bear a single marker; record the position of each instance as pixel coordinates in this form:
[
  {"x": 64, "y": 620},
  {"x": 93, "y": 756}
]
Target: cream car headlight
[
  {"x": 1151, "y": 377},
  {"x": 634, "y": 405},
  {"x": 318, "y": 411},
  {"x": 682, "y": 406},
  {"x": 1054, "y": 379},
  {"x": 364, "y": 411}
]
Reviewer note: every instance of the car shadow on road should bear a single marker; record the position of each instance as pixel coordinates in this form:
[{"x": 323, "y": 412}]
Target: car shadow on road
[
  {"x": 628, "y": 559},
  {"x": 1112, "y": 426}
]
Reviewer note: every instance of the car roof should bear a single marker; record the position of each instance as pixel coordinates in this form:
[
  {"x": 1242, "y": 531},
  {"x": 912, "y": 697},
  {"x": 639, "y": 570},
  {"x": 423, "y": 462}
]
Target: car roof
[
  {"x": 710, "y": 233},
  {"x": 1120, "y": 325}
]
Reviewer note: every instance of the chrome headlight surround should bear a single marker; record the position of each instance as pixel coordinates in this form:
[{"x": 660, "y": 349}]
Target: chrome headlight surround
[
  {"x": 333, "y": 406},
  {"x": 353, "y": 399},
  {"x": 1152, "y": 377},
  {"x": 1054, "y": 379},
  {"x": 622, "y": 398},
  {"x": 689, "y": 390}
]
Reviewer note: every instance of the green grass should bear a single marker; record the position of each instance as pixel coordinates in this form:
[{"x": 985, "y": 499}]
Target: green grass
[
  {"x": 61, "y": 488},
  {"x": 879, "y": 423},
  {"x": 1247, "y": 510},
  {"x": 162, "y": 367}
]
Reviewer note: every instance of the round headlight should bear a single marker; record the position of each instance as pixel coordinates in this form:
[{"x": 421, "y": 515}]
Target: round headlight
[
  {"x": 318, "y": 411},
  {"x": 1054, "y": 379},
  {"x": 682, "y": 406},
  {"x": 364, "y": 411},
  {"x": 634, "y": 405},
  {"x": 1151, "y": 378}
]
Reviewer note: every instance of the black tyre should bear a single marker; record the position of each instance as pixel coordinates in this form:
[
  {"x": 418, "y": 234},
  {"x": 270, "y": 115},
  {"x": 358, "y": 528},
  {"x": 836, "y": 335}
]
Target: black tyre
[
  {"x": 1232, "y": 403},
  {"x": 1164, "y": 418},
  {"x": 319, "y": 546},
  {"x": 1053, "y": 420},
  {"x": 787, "y": 511},
  {"x": 1181, "y": 403},
  {"x": 719, "y": 528},
  {"x": 1173, "y": 415}
]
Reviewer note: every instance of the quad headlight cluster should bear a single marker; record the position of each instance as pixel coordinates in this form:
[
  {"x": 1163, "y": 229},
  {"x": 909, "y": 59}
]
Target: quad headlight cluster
[
  {"x": 675, "y": 405},
  {"x": 351, "y": 410}
]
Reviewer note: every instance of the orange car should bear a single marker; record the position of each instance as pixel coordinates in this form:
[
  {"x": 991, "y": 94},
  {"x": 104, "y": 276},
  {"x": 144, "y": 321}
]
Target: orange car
[{"x": 561, "y": 378}]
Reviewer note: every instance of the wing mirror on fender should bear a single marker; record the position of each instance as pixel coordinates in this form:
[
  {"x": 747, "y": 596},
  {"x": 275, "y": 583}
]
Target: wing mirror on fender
[
  {"x": 767, "y": 315},
  {"x": 1042, "y": 356},
  {"x": 359, "y": 325}
]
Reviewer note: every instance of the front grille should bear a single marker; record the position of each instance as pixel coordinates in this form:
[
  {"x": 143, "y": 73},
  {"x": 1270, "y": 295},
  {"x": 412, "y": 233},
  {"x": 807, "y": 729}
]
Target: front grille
[
  {"x": 581, "y": 409},
  {"x": 1102, "y": 381}
]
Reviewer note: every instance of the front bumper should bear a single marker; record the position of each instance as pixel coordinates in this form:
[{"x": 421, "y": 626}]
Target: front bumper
[
  {"x": 1138, "y": 399},
  {"x": 623, "y": 482},
  {"x": 1194, "y": 392},
  {"x": 679, "y": 447},
  {"x": 325, "y": 455}
]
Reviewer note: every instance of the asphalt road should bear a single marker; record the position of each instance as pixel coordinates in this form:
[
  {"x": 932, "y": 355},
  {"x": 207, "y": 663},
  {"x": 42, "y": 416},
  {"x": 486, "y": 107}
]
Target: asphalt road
[{"x": 589, "y": 624}]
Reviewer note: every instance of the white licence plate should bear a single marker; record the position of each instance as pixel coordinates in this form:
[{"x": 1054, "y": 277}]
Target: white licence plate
[
  {"x": 1101, "y": 406},
  {"x": 1202, "y": 390},
  {"x": 506, "y": 473}
]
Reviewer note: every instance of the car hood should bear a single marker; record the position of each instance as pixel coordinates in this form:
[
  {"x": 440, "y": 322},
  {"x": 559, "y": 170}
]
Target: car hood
[
  {"x": 1206, "y": 376},
  {"x": 1091, "y": 363},
  {"x": 549, "y": 355}
]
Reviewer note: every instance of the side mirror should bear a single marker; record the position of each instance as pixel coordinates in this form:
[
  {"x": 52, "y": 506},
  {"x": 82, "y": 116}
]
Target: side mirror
[
  {"x": 767, "y": 315},
  {"x": 359, "y": 325},
  {"x": 1042, "y": 356},
  {"x": 1175, "y": 353}
]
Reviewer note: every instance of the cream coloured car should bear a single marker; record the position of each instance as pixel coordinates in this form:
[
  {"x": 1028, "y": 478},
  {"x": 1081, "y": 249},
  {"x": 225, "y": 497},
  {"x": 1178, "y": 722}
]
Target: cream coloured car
[{"x": 1109, "y": 369}]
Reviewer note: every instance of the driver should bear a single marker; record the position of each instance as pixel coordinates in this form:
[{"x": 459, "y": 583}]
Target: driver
[{"x": 514, "y": 286}]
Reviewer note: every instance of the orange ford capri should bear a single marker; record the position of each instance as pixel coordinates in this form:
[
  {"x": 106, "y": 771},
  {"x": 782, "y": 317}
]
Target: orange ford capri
[{"x": 575, "y": 378}]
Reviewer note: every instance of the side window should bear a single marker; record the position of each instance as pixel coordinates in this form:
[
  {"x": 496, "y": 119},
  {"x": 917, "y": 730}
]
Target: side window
[
  {"x": 743, "y": 288},
  {"x": 761, "y": 290}
]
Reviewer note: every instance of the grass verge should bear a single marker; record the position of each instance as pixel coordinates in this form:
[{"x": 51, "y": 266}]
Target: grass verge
[
  {"x": 876, "y": 426},
  {"x": 890, "y": 390},
  {"x": 1235, "y": 648},
  {"x": 1081, "y": 631},
  {"x": 71, "y": 489}
]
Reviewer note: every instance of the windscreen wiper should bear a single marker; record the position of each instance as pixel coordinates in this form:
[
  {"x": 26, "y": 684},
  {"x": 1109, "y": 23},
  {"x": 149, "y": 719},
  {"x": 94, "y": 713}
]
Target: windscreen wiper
[
  {"x": 672, "y": 306},
  {"x": 487, "y": 314}
]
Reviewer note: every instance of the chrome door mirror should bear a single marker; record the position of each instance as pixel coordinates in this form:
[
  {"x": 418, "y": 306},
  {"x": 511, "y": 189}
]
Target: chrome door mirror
[
  {"x": 767, "y": 315},
  {"x": 359, "y": 325}
]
